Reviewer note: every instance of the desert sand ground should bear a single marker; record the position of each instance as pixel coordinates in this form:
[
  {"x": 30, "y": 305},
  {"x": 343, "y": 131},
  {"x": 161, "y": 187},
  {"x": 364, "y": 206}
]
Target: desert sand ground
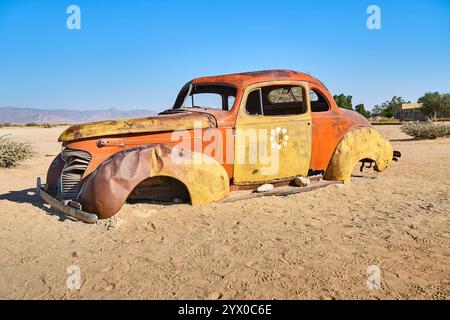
[{"x": 315, "y": 245}]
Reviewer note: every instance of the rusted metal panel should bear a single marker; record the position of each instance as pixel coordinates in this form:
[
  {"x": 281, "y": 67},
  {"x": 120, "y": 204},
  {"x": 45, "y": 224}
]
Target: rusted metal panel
[
  {"x": 104, "y": 147},
  {"x": 54, "y": 174},
  {"x": 160, "y": 123},
  {"x": 105, "y": 191},
  {"x": 245, "y": 79},
  {"x": 292, "y": 134}
]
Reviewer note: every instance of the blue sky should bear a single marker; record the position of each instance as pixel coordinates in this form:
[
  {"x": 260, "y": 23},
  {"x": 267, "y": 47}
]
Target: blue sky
[{"x": 137, "y": 54}]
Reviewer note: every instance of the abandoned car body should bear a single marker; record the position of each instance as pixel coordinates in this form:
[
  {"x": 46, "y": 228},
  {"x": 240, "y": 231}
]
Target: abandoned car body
[{"x": 247, "y": 129}]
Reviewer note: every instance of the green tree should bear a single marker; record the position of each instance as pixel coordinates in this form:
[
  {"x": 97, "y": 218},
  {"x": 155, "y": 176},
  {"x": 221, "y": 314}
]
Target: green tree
[
  {"x": 343, "y": 101},
  {"x": 377, "y": 110},
  {"x": 388, "y": 108},
  {"x": 362, "y": 110},
  {"x": 446, "y": 101},
  {"x": 433, "y": 103}
]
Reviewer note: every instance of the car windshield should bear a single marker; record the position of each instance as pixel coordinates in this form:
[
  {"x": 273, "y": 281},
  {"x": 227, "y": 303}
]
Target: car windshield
[{"x": 219, "y": 97}]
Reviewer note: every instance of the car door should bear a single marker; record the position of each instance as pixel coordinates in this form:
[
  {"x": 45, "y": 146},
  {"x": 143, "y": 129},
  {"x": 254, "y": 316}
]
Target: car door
[{"x": 273, "y": 133}]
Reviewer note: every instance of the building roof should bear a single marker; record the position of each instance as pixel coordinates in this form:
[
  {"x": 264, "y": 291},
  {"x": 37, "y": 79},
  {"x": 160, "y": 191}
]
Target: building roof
[{"x": 409, "y": 106}]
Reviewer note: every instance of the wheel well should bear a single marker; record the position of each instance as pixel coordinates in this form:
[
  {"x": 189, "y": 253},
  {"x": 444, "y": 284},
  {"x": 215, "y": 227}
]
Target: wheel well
[
  {"x": 364, "y": 164},
  {"x": 163, "y": 189},
  {"x": 358, "y": 145}
]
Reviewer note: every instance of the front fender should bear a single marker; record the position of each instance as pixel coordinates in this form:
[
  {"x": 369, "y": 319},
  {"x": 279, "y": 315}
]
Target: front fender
[
  {"x": 54, "y": 174},
  {"x": 356, "y": 145},
  {"x": 107, "y": 188}
]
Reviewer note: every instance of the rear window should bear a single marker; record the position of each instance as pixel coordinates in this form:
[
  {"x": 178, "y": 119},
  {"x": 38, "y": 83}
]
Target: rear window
[{"x": 318, "y": 102}]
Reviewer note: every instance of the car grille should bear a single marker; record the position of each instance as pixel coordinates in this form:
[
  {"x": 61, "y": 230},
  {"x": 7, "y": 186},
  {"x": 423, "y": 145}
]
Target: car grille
[{"x": 76, "y": 164}]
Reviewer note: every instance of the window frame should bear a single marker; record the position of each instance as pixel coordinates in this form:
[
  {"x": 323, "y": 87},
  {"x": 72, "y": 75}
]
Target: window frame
[
  {"x": 259, "y": 86},
  {"x": 185, "y": 91},
  {"x": 195, "y": 97},
  {"x": 318, "y": 91}
]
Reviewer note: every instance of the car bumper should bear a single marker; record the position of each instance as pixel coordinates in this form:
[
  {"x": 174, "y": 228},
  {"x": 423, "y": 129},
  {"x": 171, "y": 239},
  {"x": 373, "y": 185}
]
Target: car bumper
[{"x": 64, "y": 207}]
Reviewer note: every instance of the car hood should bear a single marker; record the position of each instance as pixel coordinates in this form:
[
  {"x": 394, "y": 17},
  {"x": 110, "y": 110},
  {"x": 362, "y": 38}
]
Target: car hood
[{"x": 169, "y": 121}]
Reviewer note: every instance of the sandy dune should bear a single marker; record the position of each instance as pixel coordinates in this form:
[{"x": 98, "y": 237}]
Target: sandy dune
[{"x": 304, "y": 246}]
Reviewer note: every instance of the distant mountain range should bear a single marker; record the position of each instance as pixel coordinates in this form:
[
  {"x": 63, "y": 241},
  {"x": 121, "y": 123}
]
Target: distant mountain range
[{"x": 15, "y": 115}]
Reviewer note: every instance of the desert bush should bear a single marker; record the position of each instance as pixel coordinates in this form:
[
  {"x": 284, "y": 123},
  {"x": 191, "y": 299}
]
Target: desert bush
[
  {"x": 426, "y": 130},
  {"x": 46, "y": 125},
  {"x": 13, "y": 152},
  {"x": 31, "y": 124}
]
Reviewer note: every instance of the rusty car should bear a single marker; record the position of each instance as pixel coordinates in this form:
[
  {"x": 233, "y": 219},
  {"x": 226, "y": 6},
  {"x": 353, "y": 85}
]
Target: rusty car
[{"x": 224, "y": 133}]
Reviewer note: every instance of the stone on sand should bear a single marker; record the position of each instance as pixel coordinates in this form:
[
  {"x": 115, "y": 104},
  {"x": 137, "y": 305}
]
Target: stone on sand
[
  {"x": 302, "y": 181},
  {"x": 265, "y": 188}
]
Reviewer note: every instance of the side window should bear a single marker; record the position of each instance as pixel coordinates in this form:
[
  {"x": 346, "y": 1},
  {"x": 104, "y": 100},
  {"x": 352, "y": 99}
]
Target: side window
[
  {"x": 276, "y": 101},
  {"x": 318, "y": 101},
  {"x": 283, "y": 100},
  {"x": 285, "y": 95}
]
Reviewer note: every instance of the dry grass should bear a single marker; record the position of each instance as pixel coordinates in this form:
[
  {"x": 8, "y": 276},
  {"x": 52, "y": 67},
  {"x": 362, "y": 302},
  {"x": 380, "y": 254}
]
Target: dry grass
[
  {"x": 13, "y": 152},
  {"x": 426, "y": 130}
]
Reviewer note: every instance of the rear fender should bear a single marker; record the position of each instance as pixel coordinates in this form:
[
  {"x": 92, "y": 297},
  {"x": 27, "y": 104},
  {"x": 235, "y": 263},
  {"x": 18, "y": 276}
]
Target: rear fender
[{"x": 356, "y": 145}]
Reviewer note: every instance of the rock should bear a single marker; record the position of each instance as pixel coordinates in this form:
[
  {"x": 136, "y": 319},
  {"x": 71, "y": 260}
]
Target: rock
[
  {"x": 112, "y": 222},
  {"x": 302, "y": 181},
  {"x": 214, "y": 296},
  {"x": 265, "y": 188}
]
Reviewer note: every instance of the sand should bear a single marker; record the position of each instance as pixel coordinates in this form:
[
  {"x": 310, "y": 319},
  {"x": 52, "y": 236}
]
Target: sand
[{"x": 315, "y": 245}]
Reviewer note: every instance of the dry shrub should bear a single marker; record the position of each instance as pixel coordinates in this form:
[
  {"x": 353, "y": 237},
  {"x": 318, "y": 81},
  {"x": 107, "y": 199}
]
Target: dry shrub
[
  {"x": 426, "y": 130},
  {"x": 13, "y": 152}
]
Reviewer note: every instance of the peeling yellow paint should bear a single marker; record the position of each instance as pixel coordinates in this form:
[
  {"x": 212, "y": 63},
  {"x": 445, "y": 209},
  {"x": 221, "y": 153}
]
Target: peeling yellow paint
[
  {"x": 161, "y": 123},
  {"x": 204, "y": 177},
  {"x": 285, "y": 142},
  {"x": 358, "y": 144}
]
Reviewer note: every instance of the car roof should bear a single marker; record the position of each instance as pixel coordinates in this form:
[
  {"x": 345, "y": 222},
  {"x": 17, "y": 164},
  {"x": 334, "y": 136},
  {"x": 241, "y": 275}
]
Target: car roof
[{"x": 248, "y": 78}]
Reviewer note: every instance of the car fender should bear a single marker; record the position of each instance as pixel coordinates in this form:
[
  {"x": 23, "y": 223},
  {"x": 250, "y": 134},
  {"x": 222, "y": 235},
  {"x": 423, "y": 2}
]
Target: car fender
[
  {"x": 358, "y": 144},
  {"x": 54, "y": 174},
  {"x": 108, "y": 187}
]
